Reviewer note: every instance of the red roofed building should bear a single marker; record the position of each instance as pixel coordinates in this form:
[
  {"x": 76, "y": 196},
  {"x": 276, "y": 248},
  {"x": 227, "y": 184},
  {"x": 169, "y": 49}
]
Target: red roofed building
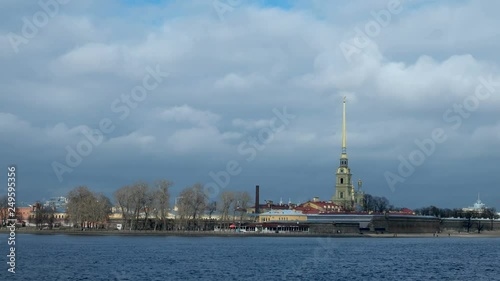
[
  {"x": 407, "y": 211},
  {"x": 319, "y": 207},
  {"x": 403, "y": 211}
]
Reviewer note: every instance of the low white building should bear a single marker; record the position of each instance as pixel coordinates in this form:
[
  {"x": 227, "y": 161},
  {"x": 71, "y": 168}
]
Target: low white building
[{"x": 477, "y": 207}]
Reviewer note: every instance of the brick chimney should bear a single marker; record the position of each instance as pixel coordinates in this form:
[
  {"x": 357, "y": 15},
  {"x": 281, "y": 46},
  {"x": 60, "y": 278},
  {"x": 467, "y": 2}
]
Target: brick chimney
[{"x": 257, "y": 209}]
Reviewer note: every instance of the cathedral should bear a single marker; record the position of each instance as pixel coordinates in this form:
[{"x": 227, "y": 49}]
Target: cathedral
[{"x": 345, "y": 194}]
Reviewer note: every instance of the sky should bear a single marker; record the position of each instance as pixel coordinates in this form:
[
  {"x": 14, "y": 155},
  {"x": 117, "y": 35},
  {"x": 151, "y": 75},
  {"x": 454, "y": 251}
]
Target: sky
[{"x": 235, "y": 93}]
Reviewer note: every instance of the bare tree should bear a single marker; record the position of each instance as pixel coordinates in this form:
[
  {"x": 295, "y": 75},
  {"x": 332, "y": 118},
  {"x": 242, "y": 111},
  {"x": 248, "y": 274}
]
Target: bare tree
[
  {"x": 468, "y": 223},
  {"x": 490, "y": 213},
  {"x": 86, "y": 208},
  {"x": 160, "y": 201},
  {"x": 123, "y": 197},
  {"x": 102, "y": 208},
  {"x": 140, "y": 200},
  {"x": 140, "y": 205},
  {"x": 242, "y": 202},
  {"x": 479, "y": 226},
  {"x": 4, "y": 210},
  {"x": 79, "y": 205},
  {"x": 227, "y": 199},
  {"x": 148, "y": 209},
  {"x": 192, "y": 204},
  {"x": 211, "y": 208},
  {"x": 381, "y": 204},
  {"x": 368, "y": 204},
  {"x": 42, "y": 216}
]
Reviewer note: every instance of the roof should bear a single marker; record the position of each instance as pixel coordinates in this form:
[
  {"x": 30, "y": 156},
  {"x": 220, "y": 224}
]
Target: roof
[
  {"x": 407, "y": 211},
  {"x": 274, "y": 206},
  {"x": 321, "y": 203},
  {"x": 60, "y": 210},
  {"x": 282, "y": 212}
]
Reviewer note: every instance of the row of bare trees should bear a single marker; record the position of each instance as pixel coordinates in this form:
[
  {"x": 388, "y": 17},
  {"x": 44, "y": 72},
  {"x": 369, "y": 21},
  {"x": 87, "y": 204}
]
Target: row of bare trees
[
  {"x": 142, "y": 205},
  {"x": 234, "y": 204},
  {"x": 376, "y": 204},
  {"x": 192, "y": 204},
  {"x": 194, "y": 207}
]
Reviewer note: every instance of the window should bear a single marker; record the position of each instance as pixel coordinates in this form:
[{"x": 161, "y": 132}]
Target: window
[
  {"x": 341, "y": 180},
  {"x": 341, "y": 195}
]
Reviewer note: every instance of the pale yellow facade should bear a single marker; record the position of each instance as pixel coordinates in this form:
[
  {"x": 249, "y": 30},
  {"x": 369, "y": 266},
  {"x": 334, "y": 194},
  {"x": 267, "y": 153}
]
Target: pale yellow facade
[{"x": 282, "y": 216}]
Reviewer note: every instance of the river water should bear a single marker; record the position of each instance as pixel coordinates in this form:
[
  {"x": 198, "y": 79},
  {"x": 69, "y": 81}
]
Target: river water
[{"x": 66, "y": 257}]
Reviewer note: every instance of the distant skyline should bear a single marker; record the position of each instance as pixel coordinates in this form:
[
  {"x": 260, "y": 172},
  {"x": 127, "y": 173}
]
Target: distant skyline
[{"x": 105, "y": 94}]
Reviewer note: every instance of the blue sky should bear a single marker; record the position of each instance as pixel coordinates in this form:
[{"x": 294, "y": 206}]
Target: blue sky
[{"x": 229, "y": 72}]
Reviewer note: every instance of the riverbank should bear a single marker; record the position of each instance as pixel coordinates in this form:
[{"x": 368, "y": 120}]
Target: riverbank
[
  {"x": 77, "y": 232},
  {"x": 175, "y": 233}
]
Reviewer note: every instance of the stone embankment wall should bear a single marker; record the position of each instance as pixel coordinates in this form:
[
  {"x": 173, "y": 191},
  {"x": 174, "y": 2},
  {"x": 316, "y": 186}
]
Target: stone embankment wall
[
  {"x": 381, "y": 224},
  {"x": 460, "y": 225},
  {"x": 405, "y": 224}
]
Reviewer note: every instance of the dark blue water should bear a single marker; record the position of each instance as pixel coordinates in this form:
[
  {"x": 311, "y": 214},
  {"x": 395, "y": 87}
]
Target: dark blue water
[{"x": 61, "y": 257}]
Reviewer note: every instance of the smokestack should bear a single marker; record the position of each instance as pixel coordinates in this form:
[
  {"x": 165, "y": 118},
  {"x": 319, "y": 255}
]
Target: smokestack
[{"x": 257, "y": 209}]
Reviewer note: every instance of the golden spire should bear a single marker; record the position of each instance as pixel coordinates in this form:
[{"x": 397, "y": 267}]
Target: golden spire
[{"x": 343, "y": 130}]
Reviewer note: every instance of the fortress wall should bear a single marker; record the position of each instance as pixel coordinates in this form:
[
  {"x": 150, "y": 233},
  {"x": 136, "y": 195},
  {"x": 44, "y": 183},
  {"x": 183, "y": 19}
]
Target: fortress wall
[
  {"x": 333, "y": 228},
  {"x": 405, "y": 224},
  {"x": 400, "y": 224},
  {"x": 459, "y": 225},
  {"x": 381, "y": 223}
]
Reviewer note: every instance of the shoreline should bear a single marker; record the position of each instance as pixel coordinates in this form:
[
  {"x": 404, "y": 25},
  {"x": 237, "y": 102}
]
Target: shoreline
[{"x": 486, "y": 234}]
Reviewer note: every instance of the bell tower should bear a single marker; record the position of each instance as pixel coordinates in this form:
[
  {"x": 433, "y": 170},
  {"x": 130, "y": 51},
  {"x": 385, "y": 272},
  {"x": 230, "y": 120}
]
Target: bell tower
[{"x": 345, "y": 194}]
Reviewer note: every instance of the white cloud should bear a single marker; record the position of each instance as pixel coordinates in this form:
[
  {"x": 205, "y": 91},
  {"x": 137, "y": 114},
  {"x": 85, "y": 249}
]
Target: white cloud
[
  {"x": 90, "y": 58},
  {"x": 10, "y": 123},
  {"x": 195, "y": 140},
  {"x": 131, "y": 140},
  {"x": 251, "y": 124},
  {"x": 228, "y": 76},
  {"x": 185, "y": 113}
]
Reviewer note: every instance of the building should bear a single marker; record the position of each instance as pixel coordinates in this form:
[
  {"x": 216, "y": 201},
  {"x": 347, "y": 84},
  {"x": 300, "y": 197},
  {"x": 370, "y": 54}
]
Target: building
[
  {"x": 316, "y": 206},
  {"x": 343, "y": 223},
  {"x": 271, "y": 206},
  {"x": 58, "y": 202},
  {"x": 282, "y": 216},
  {"x": 345, "y": 194},
  {"x": 478, "y": 207},
  {"x": 23, "y": 213}
]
